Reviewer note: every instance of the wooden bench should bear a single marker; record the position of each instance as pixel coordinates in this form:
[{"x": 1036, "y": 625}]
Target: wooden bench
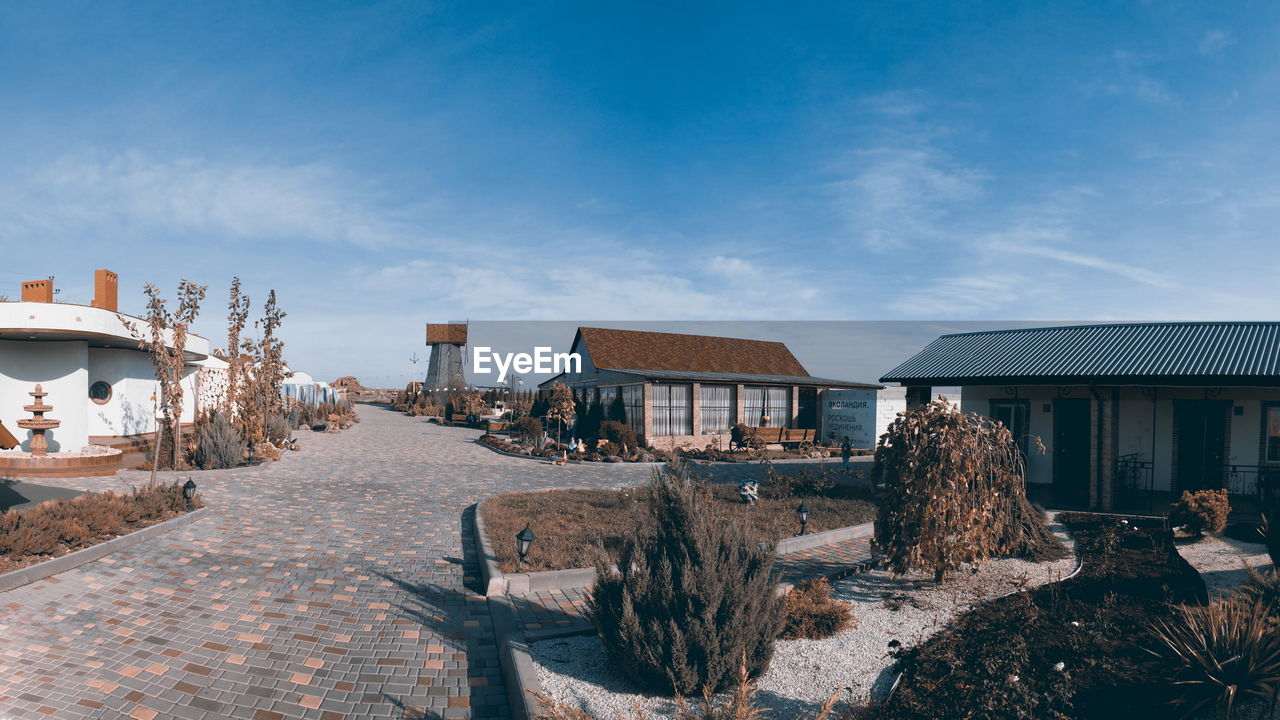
[
  {"x": 458, "y": 419},
  {"x": 784, "y": 436},
  {"x": 498, "y": 426}
]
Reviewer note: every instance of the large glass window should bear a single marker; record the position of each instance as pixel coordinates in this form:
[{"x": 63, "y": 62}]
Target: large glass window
[
  {"x": 633, "y": 401},
  {"x": 767, "y": 406},
  {"x": 718, "y": 409},
  {"x": 1271, "y": 433},
  {"x": 672, "y": 410}
]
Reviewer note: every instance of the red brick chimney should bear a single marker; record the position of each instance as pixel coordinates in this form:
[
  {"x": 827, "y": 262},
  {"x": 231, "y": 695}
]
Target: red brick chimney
[
  {"x": 106, "y": 285},
  {"x": 37, "y": 291}
]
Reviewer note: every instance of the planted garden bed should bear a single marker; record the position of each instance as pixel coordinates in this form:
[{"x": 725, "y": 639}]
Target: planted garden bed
[
  {"x": 572, "y": 524},
  {"x": 57, "y": 527},
  {"x": 1077, "y": 649}
]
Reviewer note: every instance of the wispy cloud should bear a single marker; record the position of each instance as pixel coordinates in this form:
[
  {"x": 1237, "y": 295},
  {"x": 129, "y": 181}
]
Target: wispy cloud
[
  {"x": 1079, "y": 259},
  {"x": 1128, "y": 76},
  {"x": 1215, "y": 41},
  {"x": 232, "y": 200},
  {"x": 900, "y": 190}
]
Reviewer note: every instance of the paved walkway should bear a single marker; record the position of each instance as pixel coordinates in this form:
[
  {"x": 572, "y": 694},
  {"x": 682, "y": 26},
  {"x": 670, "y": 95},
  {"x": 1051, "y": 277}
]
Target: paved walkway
[
  {"x": 333, "y": 584},
  {"x": 338, "y": 583}
]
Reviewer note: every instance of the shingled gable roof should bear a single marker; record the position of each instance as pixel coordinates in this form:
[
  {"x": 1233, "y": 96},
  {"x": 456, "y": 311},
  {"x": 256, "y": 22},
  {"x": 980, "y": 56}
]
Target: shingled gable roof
[{"x": 642, "y": 350}]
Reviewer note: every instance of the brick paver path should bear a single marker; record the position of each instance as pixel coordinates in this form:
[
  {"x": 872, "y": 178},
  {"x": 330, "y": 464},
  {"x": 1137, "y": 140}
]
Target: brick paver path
[{"x": 333, "y": 584}]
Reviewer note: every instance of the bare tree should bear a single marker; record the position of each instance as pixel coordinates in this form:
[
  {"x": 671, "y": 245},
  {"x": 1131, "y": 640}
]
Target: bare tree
[{"x": 165, "y": 340}]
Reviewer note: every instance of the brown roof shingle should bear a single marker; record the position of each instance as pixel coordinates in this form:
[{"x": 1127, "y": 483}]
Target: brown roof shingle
[{"x": 642, "y": 350}]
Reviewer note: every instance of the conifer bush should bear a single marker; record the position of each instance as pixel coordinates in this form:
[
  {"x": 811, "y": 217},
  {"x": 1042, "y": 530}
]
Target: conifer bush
[
  {"x": 691, "y": 601},
  {"x": 218, "y": 443},
  {"x": 1200, "y": 510}
]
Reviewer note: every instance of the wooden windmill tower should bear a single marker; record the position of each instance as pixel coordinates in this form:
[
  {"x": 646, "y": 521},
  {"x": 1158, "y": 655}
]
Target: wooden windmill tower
[{"x": 445, "y": 371}]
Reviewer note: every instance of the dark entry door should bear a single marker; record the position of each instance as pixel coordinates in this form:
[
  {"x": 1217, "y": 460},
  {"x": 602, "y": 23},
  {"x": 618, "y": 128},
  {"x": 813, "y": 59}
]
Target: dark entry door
[
  {"x": 807, "y": 412},
  {"x": 1202, "y": 439},
  {"x": 1071, "y": 448}
]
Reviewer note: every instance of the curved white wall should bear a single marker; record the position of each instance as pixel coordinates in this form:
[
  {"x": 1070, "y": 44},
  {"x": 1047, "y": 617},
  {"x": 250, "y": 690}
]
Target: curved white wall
[
  {"x": 60, "y": 367},
  {"x": 38, "y": 317}
]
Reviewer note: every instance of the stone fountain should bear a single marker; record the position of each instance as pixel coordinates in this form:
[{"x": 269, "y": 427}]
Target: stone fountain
[{"x": 38, "y": 423}]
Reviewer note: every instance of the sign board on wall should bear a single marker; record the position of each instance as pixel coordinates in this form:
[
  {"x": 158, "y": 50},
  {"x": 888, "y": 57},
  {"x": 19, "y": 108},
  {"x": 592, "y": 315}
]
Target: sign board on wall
[{"x": 863, "y": 415}]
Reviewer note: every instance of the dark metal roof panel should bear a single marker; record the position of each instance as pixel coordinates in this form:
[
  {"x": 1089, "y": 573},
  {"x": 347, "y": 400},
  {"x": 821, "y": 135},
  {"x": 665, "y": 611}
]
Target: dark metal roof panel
[{"x": 1087, "y": 352}]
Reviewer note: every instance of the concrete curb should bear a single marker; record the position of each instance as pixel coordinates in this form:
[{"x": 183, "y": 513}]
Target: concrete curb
[
  {"x": 517, "y": 666},
  {"x": 495, "y": 582},
  {"x": 42, "y": 570},
  {"x": 788, "y": 546}
]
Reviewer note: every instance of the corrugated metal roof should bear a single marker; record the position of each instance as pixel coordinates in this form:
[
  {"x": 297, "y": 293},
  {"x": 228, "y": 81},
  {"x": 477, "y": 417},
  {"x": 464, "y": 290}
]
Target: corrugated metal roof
[
  {"x": 1180, "y": 353},
  {"x": 691, "y": 376}
]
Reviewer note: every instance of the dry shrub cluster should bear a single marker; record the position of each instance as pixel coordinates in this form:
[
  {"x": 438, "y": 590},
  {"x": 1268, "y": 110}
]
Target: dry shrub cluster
[
  {"x": 65, "y": 524},
  {"x": 954, "y": 493},
  {"x": 691, "y": 600},
  {"x": 1201, "y": 510},
  {"x": 811, "y": 614}
]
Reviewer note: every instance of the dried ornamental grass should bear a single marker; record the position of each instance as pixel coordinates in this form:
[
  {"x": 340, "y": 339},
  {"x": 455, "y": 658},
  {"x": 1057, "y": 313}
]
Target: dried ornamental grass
[{"x": 811, "y": 614}]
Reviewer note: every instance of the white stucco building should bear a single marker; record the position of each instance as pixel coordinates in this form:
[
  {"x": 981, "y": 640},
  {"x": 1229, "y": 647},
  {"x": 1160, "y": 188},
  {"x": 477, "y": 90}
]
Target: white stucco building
[
  {"x": 1129, "y": 414},
  {"x": 101, "y": 385}
]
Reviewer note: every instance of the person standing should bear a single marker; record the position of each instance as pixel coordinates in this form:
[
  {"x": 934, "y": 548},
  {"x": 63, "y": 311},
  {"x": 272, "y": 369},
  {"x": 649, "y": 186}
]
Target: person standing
[{"x": 846, "y": 451}]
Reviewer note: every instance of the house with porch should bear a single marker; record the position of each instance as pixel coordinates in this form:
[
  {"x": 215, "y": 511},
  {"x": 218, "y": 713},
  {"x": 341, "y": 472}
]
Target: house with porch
[
  {"x": 682, "y": 390},
  {"x": 1130, "y": 414}
]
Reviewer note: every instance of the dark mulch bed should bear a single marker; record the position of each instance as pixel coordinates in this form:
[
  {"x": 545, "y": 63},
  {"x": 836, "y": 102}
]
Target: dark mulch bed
[
  {"x": 572, "y": 524},
  {"x": 1094, "y": 623}
]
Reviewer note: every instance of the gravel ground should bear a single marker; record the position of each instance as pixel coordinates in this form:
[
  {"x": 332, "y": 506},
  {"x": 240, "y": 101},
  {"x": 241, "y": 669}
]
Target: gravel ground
[
  {"x": 1220, "y": 560},
  {"x": 804, "y": 673}
]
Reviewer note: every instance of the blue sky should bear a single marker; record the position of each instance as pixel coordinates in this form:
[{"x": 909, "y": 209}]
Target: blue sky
[{"x": 382, "y": 165}]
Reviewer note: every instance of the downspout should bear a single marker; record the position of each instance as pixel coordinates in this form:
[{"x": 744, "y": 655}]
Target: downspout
[{"x": 1097, "y": 440}]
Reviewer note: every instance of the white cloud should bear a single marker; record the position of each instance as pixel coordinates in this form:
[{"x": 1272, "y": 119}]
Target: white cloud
[
  {"x": 960, "y": 296},
  {"x": 899, "y": 196},
  {"x": 1128, "y": 77},
  {"x": 1027, "y": 245},
  {"x": 230, "y": 200},
  {"x": 1215, "y": 41}
]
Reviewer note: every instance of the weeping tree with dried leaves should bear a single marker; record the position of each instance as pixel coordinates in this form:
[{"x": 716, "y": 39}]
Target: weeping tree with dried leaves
[
  {"x": 165, "y": 340},
  {"x": 955, "y": 493}
]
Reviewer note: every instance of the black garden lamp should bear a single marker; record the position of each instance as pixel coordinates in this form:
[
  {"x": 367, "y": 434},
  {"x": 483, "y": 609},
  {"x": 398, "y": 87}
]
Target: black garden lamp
[
  {"x": 524, "y": 540},
  {"x": 803, "y": 512},
  {"x": 189, "y": 491}
]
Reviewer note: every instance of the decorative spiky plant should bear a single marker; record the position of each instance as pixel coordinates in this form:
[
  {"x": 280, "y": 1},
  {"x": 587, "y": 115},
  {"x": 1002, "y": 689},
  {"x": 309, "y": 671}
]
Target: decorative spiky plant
[{"x": 1220, "y": 655}]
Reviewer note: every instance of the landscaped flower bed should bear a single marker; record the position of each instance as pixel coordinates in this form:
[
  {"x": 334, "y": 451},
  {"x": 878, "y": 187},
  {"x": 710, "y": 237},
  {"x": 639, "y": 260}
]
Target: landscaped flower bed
[
  {"x": 889, "y": 610},
  {"x": 570, "y": 524},
  {"x": 1077, "y": 649},
  {"x": 57, "y": 527}
]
